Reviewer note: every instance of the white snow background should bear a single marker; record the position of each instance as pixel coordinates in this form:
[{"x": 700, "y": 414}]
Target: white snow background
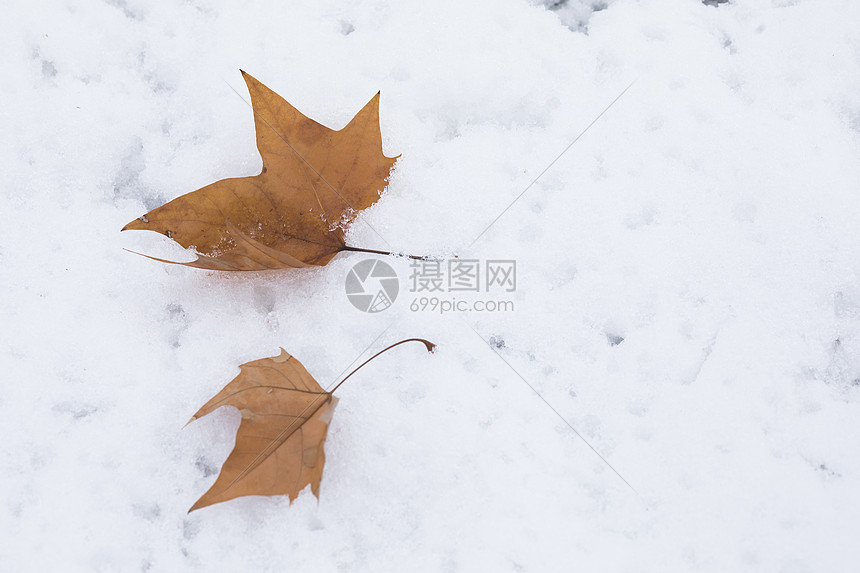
[{"x": 709, "y": 219}]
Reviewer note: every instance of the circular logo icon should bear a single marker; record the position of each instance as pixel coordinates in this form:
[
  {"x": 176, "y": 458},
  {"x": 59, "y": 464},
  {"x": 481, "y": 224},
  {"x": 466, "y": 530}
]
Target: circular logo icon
[{"x": 372, "y": 285}]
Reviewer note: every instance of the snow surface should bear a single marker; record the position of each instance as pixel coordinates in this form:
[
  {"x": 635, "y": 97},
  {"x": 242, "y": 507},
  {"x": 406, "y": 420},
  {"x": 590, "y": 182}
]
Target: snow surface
[{"x": 709, "y": 219}]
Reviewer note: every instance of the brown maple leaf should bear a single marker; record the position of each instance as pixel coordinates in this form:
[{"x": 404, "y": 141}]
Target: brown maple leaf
[
  {"x": 285, "y": 419},
  {"x": 279, "y": 444},
  {"x": 314, "y": 180}
]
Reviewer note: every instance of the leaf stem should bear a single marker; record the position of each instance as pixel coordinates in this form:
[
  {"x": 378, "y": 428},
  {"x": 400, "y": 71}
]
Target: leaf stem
[
  {"x": 430, "y": 348},
  {"x": 375, "y": 252}
]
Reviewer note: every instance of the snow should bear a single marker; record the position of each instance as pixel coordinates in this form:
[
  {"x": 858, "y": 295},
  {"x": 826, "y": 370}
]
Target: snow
[{"x": 688, "y": 287}]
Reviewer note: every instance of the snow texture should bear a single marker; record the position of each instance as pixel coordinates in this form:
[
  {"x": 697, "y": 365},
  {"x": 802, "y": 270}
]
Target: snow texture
[{"x": 688, "y": 287}]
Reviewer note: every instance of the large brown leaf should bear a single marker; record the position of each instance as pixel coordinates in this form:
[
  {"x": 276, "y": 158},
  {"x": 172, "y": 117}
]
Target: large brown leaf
[
  {"x": 314, "y": 180},
  {"x": 279, "y": 444}
]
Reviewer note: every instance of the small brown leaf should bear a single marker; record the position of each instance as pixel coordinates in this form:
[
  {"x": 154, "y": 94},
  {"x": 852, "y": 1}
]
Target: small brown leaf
[
  {"x": 314, "y": 180},
  {"x": 285, "y": 418},
  {"x": 279, "y": 444}
]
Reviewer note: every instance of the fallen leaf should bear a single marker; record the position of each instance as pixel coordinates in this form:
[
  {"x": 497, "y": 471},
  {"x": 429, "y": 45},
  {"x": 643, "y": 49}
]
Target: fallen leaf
[
  {"x": 285, "y": 419},
  {"x": 314, "y": 180},
  {"x": 279, "y": 444}
]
